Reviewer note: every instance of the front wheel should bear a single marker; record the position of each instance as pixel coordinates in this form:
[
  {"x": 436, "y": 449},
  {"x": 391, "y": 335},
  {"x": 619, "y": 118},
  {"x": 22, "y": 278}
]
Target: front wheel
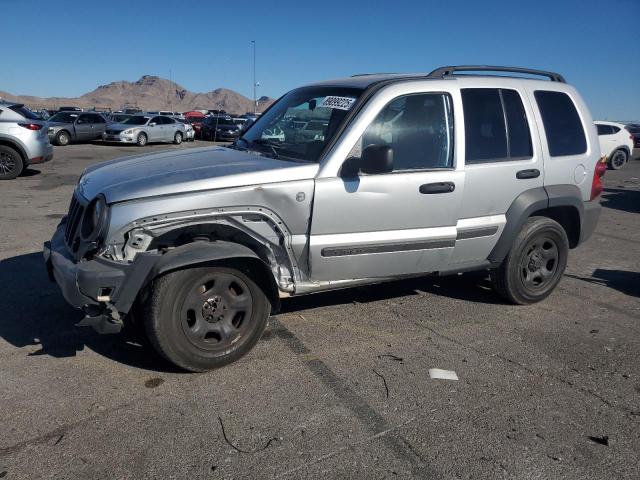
[
  {"x": 142, "y": 140},
  {"x": 177, "y": 139},
  {"x": 63, "y": 138},
  {"x": 618, "y": 159},
  {"x": 535, "y": 264},
  {"x": 204, "y": 318}
]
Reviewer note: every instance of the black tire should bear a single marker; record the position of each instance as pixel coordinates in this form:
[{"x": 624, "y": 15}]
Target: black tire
[
  {"x": 11, "y": 164},
  {"x": 618, "y": 159},
  {"x": 535, "y": 264},
  {"x": 191, "y": 319},
  {"x": 177, "y": 138},
  {"x": 142, "y": 139},
  {"x": 63, "y": 138}
]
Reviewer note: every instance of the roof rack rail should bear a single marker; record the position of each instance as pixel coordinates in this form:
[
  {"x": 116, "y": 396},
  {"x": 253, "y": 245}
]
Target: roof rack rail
[
  {"x": 446, "y": 71},
  {"x": 369, "y": 74}
]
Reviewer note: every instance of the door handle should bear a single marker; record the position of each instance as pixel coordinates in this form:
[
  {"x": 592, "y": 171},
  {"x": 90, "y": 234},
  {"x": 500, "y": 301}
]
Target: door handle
[
  {"x": 530, "y": 173},
  {"x": 438, "y": 187}
]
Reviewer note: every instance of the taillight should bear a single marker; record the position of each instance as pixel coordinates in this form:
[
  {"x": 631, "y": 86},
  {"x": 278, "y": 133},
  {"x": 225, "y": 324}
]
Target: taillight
[
  {"x": 30, "y": 126},
  {"x": 600, "y": 170}
]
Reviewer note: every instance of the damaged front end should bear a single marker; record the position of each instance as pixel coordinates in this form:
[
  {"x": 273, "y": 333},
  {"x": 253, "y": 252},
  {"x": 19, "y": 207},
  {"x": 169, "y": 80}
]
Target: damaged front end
[{"x": 104, "y": 279}]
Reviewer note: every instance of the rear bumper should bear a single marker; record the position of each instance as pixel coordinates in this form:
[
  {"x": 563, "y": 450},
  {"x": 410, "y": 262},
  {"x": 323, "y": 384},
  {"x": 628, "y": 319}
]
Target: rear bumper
[
  {"x": 590, "y": 216},
  {"x": 40, "y": 153}
]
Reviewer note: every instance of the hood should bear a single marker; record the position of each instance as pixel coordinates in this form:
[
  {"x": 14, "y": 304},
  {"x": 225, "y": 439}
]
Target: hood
[
  {"x": 177, "y": 172},
  {"x": 119, "y": 127}
]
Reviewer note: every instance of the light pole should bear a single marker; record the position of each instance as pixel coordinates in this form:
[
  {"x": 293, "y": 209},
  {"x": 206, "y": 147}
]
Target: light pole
[{"x": 255, "y": 101}]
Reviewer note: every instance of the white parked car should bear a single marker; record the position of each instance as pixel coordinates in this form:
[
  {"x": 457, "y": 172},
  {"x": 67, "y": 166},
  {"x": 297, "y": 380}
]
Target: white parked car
[{"x": 616, "y": 143}]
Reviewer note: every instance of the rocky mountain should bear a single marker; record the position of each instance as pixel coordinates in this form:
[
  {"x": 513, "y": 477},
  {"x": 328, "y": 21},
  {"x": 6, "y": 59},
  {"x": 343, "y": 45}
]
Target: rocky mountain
[{"x": 148, "y": 93}]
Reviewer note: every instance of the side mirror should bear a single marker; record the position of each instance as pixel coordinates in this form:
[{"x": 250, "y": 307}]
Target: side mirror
[
  {"x": 152, "y": 124},
  {"x": 377, "y": 159}
]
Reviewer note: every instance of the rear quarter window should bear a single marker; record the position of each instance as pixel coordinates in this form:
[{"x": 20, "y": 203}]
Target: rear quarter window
[{"x": 562, "y": 125}]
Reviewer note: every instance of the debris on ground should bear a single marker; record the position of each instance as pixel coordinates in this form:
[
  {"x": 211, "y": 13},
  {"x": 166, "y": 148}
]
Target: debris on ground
[
  {"x": 439, "y": 374},
  {"x": 384, "y": 381},
  {"x": 395, "y": 358},
  {"x": 603, "y": 440},
  {"x": 237, "y": 449}
]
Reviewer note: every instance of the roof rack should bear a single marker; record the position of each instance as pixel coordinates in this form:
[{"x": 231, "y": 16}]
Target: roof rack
[
  {"x": 369, "y": 74},
  {"x": 446, "y": 71}
]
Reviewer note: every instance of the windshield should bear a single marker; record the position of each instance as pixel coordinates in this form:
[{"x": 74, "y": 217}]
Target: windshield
[
  {"x": 301, "y": 123},
  {"x": 136, "y": 120},
  {"x": 64, "y": 117}
]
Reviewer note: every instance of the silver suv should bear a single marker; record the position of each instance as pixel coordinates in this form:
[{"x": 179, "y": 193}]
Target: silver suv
[
  {"x": 23, "y": 140},
  {"x": 375, "y": 177}
]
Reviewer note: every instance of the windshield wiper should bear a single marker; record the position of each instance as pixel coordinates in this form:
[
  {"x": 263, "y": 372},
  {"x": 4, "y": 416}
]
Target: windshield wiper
[{"x": 266, "y": 143}]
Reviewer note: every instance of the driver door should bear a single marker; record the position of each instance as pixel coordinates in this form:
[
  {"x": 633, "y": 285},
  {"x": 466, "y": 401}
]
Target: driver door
[{"x": 395, "y": 222}]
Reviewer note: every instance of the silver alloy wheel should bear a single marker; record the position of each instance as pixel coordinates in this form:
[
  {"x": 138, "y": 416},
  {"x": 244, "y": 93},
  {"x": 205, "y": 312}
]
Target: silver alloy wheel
[
  {"x": 7, "y": 163},
  {"x": 618, "y": 159},
  {"x": 63, "y": 138},
  {"x": 177, "y": 138},
  {"x": 142, "y": 139}
]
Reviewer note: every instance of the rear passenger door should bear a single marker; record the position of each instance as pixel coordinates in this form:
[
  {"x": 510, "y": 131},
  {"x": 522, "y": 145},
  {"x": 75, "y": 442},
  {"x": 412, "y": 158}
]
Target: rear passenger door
[
  {"x": 99, "y": 125},
  {"x": 501, "y": 162},
  {"x": 169, "y": 128},
  {"x": 83, "y": 127}
]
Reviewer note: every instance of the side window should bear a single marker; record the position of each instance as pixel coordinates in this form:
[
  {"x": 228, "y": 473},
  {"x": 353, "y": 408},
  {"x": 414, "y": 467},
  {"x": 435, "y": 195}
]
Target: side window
[
  {"x": 615, "y": 129},
  {"x": 83, "y": 119},
  {"x": 496, "y": 126},
  {"x": 485, "y": 132},
  {"x": 605, "y": 129},
  {"x": 167, "y": 120},
  {"x": 97, "y": 119},
  {"x": 518, "y": 133},
  {"x": 562, "y": 125},
  {"x": 419, "y": 129},
  {"x": 156, "y": 120}
]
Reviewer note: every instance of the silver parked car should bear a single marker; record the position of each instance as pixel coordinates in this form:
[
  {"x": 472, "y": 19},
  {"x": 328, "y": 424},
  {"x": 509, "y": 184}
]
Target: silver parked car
[
  {"x": 71, "y": 126},
  {"x": 142, "y": 129},
  {"x": 392, "y": 176},
  {"x": 23, "y": 140}
]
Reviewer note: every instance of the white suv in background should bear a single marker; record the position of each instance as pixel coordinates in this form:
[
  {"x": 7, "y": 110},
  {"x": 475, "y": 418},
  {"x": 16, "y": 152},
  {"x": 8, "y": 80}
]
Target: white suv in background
[
  {"x": 616, "y": 143},
  {"x": 23, "y": 140}
]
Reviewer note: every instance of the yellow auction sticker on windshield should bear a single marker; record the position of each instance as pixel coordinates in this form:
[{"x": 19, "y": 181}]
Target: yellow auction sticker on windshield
[{"x": 341, "y": 103}]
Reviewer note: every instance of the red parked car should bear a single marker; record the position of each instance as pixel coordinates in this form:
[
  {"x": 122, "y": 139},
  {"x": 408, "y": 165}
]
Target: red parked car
[{"x": 195, "y": 119}]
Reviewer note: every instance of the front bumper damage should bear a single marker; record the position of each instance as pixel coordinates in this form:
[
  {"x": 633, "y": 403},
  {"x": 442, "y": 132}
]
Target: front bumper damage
[{"x": 105, "y": 290}]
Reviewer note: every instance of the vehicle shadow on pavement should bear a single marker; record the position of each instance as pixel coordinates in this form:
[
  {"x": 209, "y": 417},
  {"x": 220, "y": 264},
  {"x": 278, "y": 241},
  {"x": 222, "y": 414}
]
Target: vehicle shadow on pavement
[
  {"x": 624, "y": 281},
  {"x": 34, "y": 313},
  {"x": 623, "y": 199},
  {"x": 470, "y": 287}
]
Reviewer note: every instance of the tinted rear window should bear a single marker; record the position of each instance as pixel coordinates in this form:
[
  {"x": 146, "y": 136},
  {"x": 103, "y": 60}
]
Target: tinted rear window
[
  {"x": 24, "y": 111},
  {"x": 486, "y": 136},
  {"x": 562, "y": 125}
]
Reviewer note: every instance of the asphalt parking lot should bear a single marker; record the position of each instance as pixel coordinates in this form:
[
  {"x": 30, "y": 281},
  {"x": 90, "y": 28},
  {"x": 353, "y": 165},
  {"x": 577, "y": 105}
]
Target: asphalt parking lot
[{"x": 338, "y": 387}]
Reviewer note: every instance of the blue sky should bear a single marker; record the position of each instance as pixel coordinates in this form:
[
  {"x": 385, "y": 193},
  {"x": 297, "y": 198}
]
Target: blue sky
[{"x": 67, "y": 48}]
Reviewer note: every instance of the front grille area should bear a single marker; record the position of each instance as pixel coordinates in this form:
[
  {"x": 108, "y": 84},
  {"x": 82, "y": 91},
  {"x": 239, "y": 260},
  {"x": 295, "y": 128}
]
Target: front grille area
[
  {"x": 112, "y": 132},
  {"x": 72, "y": 230}
]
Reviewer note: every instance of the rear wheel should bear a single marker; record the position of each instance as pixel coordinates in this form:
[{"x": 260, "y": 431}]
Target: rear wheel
[
  {"x": 11, "y": 164},
  {"x": 177, "y": 139},
  {"x": 142, "y": 140},
  {"x": 63, "y": 138},
  {"x": 618, "y": 159},
  {"x": 535, "y": 264},
  {"x": 203, "y": 318}
]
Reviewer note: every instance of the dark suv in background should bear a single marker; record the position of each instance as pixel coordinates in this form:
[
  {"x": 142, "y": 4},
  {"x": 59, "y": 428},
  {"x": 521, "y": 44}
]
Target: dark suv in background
[{"x": 220, "y": 129}]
